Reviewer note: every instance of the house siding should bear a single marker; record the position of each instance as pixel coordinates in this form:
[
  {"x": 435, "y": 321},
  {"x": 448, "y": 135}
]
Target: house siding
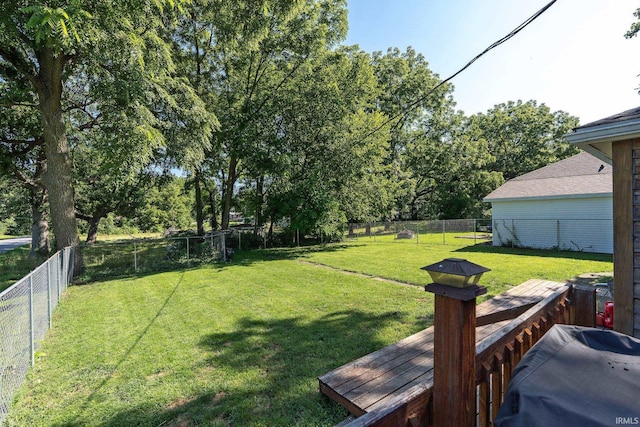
[
  {"x": 636, "y": 239},
  {"x": 579, "y": 224}
]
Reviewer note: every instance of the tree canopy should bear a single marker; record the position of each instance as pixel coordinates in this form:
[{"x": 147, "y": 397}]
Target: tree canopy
[
  {"x": 256, "y": 104},
  {"x": 95, "y": 63}
]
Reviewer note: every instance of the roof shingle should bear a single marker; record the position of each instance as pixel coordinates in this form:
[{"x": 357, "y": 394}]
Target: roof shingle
[
  {"x": 580, "y": 175},
  {"x": 631, "y": 114}
]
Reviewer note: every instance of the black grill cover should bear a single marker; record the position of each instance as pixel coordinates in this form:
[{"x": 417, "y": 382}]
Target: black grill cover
[{"x": 575, "y": 376}]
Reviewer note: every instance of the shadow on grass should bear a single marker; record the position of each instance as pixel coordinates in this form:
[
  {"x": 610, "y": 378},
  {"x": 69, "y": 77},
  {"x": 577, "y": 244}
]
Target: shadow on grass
[
  {"x": 278, "y": 254},
  {"x": 502, "y": 250},
  {"x": 251, "y": 257},
  {"x": 273, "y": 367},
  {"x": 150, "y": 264}
]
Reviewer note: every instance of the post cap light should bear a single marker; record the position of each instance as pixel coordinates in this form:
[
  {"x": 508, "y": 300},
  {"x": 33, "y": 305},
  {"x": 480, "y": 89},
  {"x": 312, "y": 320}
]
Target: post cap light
[{"x": 455, "y": 272}]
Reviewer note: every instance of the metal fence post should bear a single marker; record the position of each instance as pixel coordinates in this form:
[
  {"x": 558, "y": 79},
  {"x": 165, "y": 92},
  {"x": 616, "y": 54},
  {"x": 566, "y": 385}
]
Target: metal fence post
[
  {"x": 31, "y": 321},
  {"x": 224, "y": 246},
  {"x": 444, "y": 232},
  {"x": 475, "y": 227},
  {"x": 63, "y": 269},
  {"x": 66, "y": 260},
  {"x": 57, "y": 276},
  {"x": 49, "y": 309},
  {"x": 72, "y": 263},
  {"x": 65, "y": 272},
  {"x": 135, "y": 256},
  {"x": 187, "y": 238}
]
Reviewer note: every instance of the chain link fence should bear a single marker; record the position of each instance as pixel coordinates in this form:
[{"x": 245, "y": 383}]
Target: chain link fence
[
  {"x": 111, "y": 259},
  {"x": 580, "y": 235},
  {"x": 477, "y": 229},
  {"x": 25, "y": 316}
]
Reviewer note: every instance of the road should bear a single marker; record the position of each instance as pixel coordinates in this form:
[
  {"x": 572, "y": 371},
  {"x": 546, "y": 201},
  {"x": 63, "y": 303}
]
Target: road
[{"x": 8, "y": 244}]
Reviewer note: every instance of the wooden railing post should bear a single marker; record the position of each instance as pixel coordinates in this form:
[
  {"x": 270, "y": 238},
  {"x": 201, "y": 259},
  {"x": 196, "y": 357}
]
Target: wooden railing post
[
  {"x": 585, "y": 305},
  {"x": 454, "y": 358}
]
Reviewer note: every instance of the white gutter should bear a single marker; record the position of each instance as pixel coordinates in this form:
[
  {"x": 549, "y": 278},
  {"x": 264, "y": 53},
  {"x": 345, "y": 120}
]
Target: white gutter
[
  {"x": 597, "y": 140},
  {"x": 606, "y": 132}
]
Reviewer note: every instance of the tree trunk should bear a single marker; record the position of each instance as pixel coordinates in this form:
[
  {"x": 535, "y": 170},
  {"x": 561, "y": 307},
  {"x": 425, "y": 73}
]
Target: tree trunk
[
  {"x": 228, "y": 191},
  {"x": 270, "y": 235},
  {"x": 414, "y": 208},
  {"x": 92, "y": 234},
  {"x": 58, "y": 176},
  {"x": 259, "y": 203},
  {"x": 39, "y": 226},
  {"x": 212, "y": 207},
  {"x": 199, "y": 204}
]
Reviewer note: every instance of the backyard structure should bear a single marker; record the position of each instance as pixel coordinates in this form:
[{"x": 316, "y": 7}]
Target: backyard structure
[
  {"x": 616, "y": 140},
  {"x": 566, "y": 205}
]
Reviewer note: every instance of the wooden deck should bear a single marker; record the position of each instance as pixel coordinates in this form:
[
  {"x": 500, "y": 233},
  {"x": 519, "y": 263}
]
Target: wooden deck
[{"x": 377, "y": 379}]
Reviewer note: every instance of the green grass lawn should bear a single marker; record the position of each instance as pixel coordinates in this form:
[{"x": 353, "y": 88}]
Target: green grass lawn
[
  {"x": 243, "y": 343},
  {"x": 402, "y": 259},
  {"x": 237, "y": 345}
]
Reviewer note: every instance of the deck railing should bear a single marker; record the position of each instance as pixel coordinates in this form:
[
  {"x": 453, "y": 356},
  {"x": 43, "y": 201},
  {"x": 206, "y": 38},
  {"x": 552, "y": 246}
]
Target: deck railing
[
  {"x": 496, "y": 357},
  {"x": 498, "y": 354}
]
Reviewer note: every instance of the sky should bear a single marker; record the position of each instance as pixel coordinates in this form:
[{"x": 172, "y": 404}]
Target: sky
[{"x": 574, "y": 57}]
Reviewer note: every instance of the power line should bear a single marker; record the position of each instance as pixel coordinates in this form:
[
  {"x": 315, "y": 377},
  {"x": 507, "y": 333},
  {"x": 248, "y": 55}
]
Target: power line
[{"x": 495, "y": 44}]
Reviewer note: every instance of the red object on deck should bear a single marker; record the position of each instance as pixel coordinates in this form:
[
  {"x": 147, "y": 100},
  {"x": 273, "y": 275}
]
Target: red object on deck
[
  {"x": 608, "y": 314},
  {"x": 600, "y": 319}
]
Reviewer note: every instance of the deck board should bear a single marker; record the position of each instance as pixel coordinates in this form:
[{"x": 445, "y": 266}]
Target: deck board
[{"x": 376, "y": 378}]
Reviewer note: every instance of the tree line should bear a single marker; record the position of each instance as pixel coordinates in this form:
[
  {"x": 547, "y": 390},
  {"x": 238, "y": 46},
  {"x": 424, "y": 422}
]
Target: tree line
[{"x": 256, "y": 105}]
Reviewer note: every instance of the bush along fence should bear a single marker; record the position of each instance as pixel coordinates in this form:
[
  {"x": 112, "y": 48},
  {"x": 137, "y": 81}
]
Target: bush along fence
[{"x": 25, "y": 316}]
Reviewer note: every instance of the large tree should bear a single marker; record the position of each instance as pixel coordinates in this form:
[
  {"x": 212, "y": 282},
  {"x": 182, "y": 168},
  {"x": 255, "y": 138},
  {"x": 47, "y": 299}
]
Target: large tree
[
  {"x": 22, "y": 156},
  {"x": 325, "y": 167},
  {"x": 447, "y": 170},
  {"x": 242, "y": 54},
  {"x": 103, "y": 187},
  {"x": 523, "y": 136},
  {"x": 408, "y": 95},
  {"x": 422, "y": 129},
  {"x": 114, "y": 50}
]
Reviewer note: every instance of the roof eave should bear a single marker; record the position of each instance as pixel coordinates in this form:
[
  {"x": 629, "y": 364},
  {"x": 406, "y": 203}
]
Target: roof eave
[
  {"x": 597, "y": 140},
  {"x": 548, "y": 197}
]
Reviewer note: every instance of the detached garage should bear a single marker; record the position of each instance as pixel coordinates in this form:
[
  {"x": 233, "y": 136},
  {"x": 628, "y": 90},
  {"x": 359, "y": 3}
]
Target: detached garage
[{"x": 567, "y": 205}]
